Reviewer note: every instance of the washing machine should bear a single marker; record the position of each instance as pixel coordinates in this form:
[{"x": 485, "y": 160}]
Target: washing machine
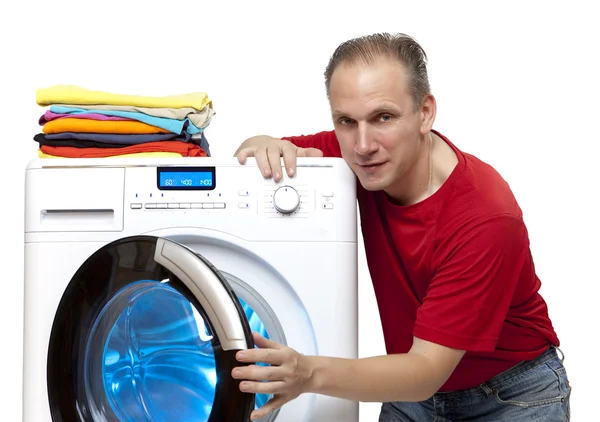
[{"x": 144, "y": 277}]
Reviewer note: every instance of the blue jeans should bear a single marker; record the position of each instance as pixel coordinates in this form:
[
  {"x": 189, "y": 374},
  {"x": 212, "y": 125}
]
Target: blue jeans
[{"x": 532, "y": 391}]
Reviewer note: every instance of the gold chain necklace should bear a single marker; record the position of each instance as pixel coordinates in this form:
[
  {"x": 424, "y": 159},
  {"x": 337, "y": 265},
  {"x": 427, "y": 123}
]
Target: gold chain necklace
[{"x": 430, "y": 165}]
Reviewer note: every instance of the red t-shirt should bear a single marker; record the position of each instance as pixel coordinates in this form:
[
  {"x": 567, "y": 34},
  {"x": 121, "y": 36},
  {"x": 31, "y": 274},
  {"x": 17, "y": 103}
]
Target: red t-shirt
[{"x": 454, "y": 269}]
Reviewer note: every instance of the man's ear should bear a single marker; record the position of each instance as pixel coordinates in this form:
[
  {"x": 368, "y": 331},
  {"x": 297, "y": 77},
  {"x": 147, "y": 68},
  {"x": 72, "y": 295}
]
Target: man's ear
[{"x": 427, "y": 111}]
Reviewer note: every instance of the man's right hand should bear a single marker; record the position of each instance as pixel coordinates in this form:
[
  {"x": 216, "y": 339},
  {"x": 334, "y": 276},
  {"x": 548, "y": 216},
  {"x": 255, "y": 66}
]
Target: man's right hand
[{"x": 268, "y": 152}]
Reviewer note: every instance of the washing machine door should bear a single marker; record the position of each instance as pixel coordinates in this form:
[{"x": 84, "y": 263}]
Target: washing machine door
[{"x": 147, "y": 330}]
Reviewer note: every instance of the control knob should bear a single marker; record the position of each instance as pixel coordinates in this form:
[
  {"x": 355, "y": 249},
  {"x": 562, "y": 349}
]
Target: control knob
[{"x": 286, "y": 199}]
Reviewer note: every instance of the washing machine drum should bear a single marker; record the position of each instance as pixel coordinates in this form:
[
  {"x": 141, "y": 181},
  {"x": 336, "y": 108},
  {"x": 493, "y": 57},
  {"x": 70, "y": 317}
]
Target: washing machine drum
[{"x": 147, "y": 330}]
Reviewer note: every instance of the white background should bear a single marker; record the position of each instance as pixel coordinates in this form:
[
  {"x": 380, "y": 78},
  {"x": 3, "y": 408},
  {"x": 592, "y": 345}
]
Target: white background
[{"x": 517, "y": 84}]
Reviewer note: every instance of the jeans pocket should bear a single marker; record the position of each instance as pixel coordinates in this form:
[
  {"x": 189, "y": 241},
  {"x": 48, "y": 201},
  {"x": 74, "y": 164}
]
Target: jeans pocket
[
  {"x": 568, "y": 400},
  {"x": 539, "y": 386}
]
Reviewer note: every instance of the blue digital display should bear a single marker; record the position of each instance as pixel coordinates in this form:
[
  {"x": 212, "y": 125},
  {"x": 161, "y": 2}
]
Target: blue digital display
[{"x": 186, "y": 178}]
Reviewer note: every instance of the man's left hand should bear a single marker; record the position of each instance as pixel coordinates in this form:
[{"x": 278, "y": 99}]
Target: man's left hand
[{"x": 287, "y": 377}]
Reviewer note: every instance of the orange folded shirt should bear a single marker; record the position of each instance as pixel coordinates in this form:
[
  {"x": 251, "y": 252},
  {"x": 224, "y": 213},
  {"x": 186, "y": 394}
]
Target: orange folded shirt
[
  {"x": 41, "y": 154},
  {"x": 186, "y": 149},
  {"x": 100, "y": 126}
]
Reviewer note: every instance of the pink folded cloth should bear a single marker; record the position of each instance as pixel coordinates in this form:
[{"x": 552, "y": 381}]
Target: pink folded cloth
[{"x": 49, "y": 115}]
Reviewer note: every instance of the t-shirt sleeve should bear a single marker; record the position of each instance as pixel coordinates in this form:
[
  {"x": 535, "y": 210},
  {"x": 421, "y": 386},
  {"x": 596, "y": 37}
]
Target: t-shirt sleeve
[
  {"x": 473, "y": 285},
  {"x": 325, "y": 141}
]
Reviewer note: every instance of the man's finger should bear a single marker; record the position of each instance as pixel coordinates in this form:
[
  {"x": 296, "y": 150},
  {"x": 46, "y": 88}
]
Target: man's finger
[
  {"x": 268, "y": 351},
  {"x": 265, "y": 343},
  {"x": 244, "y": 154},
  {"x": 262, "y": 161},
  {"x": 273, "y": 404},
  {"x": 309, "y": 152},
  {"x": 268, "y": 356},
  {"x": 288, "y": 151},
  {"x": 262, "y": 387},
  {"x": 274, "y": 153},
  {"x": 258, "y": 373}
]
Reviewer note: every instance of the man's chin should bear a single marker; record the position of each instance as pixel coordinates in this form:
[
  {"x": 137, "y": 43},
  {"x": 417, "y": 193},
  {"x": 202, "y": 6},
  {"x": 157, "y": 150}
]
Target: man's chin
[
  {"x": 371, "y": 184},
  {"x": 371, "y": 178}
]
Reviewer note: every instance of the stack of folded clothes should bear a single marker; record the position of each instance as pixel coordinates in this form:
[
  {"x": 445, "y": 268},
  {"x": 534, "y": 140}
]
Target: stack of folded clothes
[{"x": 80, "y": 123}]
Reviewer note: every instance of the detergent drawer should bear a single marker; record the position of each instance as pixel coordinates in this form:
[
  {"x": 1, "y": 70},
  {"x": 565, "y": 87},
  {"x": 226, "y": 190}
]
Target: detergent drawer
[{"x": 74, "y": 199}]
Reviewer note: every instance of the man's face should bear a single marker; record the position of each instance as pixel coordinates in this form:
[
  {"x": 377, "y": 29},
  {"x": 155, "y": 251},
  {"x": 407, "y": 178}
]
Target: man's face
[{"x": 379, "y": 129}]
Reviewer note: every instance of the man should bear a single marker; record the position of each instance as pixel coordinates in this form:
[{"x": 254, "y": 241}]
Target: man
[{"x": 468, "y": 336}]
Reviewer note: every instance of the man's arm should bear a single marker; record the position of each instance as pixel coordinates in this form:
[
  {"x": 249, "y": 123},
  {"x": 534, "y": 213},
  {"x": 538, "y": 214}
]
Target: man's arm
[
  {"x": 465, "y": 308},
  {"x": 268, "y": 151},
  {"x": 413, "y": 376}
]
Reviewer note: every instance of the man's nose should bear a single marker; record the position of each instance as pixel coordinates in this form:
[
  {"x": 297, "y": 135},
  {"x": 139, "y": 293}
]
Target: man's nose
[{"x": 365, "y": 143}]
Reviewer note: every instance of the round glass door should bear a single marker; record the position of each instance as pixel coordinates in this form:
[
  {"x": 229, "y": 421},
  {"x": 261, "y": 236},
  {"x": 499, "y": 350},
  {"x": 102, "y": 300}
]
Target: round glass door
[{"x": 147, "y": 330}]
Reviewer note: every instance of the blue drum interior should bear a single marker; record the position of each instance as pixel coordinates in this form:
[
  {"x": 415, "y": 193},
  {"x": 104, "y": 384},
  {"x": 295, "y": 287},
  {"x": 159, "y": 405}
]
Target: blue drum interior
[{"x": 158, "y": 362}]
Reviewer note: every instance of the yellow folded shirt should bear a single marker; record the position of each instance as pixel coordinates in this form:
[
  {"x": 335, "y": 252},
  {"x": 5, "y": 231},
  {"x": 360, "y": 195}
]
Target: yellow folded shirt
[
  {"x": 69, "y": 124},
  {"x": 72, "y": 94}
]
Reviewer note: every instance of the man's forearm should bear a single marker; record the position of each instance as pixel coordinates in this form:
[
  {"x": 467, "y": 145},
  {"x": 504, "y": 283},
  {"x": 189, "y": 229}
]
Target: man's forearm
[{"x": 404, "y": 377}]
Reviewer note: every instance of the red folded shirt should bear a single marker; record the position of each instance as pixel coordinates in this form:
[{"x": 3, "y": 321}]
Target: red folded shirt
[{"x": 186, "y": 149}]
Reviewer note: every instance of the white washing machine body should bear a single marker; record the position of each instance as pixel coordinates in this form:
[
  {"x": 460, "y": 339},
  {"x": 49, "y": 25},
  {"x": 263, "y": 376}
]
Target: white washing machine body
[{"x": 119, "y": 252}]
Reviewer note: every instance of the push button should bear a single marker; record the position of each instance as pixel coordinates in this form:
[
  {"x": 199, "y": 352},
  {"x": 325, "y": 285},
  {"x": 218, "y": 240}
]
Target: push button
[{"x": 136, "y": 206}]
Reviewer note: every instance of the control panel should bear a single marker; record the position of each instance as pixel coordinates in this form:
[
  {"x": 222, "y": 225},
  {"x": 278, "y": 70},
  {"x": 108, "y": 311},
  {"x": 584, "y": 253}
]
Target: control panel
[
  {"x": 211, "y": 190},
  {"x": 79, "y": 196}
]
